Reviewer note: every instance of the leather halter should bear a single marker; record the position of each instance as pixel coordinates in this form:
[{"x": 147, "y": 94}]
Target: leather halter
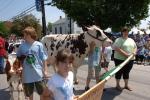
[{"x": 104, "y": 39}]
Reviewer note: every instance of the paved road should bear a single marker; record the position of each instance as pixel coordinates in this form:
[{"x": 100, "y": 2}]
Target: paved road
[{"x": 139, "y": 81}]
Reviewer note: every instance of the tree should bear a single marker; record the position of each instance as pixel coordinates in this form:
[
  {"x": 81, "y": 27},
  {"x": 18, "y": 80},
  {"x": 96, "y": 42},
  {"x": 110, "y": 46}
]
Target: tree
[
  {"x": 3, "y": 29},
  {"x": 49, "y": 26},
  {"x": 105, "y": 13},
  {"x": 29, "y": 20}
]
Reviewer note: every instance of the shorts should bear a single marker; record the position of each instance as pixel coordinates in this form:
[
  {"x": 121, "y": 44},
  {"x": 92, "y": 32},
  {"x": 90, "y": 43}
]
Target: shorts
[
  {"x": 91, "y": 70},
  {"x": 29, "y": 88}
]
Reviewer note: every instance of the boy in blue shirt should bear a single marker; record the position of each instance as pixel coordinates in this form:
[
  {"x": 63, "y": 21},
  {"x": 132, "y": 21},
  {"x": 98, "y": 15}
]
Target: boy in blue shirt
[{"x": 33, "y": 57}]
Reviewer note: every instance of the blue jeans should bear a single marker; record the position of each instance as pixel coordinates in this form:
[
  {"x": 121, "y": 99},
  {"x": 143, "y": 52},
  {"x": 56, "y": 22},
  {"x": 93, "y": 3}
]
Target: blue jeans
[{"x": 1, "y": 64}]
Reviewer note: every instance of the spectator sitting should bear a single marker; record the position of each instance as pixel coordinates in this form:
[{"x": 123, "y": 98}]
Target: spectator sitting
[
  {"x": 146, "y": 56},
  {"x": 140, "y": 55}
]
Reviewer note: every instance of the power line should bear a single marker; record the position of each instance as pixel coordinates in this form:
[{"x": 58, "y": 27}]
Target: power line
[
  {"x": 29, "y": 9},
  {"x": 26, "y": 8},
  {"x": 24, "y": 12},
  {"x": 10, "y": 2}
]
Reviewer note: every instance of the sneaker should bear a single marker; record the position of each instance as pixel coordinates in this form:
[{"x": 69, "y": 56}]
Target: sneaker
[{"x": 87, "y": 88}]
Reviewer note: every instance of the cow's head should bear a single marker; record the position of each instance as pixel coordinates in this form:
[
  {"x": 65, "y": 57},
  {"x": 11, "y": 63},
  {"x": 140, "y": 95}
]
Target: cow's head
[
  {"x": 13, "y": 65},
  {"x": 98, "y": 36}
]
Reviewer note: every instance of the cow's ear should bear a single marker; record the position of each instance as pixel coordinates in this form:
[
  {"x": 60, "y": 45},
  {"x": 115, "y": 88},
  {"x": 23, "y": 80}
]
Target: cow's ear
[{"x": 85, "y": 28}]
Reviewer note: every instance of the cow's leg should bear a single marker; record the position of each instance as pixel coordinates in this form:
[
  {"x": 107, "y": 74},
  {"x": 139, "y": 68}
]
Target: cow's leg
[
  {"x": 11, "y": 90},
  {"x": 19, "y": 89},
  {"x": 75, "y": 75}
]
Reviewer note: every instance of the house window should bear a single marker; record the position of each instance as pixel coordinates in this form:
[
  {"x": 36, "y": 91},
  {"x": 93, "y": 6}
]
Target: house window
[
  {"x": 78, "y": 32},
  {"x": 55, "y": 30},
  {"x": 60, "y": 28}
]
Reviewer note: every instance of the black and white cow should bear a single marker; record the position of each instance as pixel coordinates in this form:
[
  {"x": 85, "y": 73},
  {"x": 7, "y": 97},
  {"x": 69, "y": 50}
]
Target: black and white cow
[{"x": 78, "y": 44}]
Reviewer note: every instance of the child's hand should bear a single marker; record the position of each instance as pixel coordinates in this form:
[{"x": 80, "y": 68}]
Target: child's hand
[
  {"x": 47, "y": 94},
  {"x": 75, "y": 97}
]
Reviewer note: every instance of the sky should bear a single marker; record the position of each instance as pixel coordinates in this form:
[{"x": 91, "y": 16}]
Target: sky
[{"x": 11, "y": 8}]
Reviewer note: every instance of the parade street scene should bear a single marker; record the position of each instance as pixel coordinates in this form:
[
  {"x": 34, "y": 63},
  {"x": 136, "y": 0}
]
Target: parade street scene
[
  {"x": 139, "y": 80},
  {"x": 74, "y": 49}
]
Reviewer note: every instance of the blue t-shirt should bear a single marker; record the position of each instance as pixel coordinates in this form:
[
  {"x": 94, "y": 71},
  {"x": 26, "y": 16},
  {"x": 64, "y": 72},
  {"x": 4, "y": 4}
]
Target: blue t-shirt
[
  {"x": 32, "y": 64},
  {"x": 94, "y": 57}
]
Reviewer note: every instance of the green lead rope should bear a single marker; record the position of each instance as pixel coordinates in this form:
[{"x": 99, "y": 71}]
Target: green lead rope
[{"x": 107, "y": 73}]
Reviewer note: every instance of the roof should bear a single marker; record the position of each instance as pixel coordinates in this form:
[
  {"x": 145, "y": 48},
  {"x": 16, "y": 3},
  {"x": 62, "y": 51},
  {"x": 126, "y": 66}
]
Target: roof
[{"x": 62, "y": 20}]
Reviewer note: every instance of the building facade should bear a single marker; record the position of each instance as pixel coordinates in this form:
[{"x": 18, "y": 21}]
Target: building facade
[{"x": 62, "y": 26}]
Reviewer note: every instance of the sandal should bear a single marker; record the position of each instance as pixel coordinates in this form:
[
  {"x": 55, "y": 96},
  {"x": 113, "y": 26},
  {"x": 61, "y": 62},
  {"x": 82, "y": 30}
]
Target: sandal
[
  {"x": 118, "y": 88},
  {"x": 87, "y": 88},
  {"x": 128, "y": 88}
]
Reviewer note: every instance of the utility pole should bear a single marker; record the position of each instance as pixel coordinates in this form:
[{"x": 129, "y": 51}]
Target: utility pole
[
  {"x": 70, "y": 19},
  {"x": 43, "y": 18},
  {"x": 70, "y": 26}
]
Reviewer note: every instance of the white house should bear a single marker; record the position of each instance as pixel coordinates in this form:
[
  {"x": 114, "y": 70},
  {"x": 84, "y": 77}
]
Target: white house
[{"x": 62, "y": 26}]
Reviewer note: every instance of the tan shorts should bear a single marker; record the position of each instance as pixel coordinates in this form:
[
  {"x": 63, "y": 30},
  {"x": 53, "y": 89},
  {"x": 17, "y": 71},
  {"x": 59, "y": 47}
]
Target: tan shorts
[
  {"x": 92, "y": 70},
  {"x": 29, "y": 88}
]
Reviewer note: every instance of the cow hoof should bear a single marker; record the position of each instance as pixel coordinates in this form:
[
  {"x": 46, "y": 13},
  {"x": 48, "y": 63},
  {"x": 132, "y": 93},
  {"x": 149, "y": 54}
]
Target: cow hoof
[
  {"x": 76, "y": 82},
  {"x": 74, "y": 90}
]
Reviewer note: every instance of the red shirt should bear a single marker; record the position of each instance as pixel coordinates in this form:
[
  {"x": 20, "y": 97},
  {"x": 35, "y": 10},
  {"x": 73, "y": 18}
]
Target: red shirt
[{"x": 2, "y": 47}]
